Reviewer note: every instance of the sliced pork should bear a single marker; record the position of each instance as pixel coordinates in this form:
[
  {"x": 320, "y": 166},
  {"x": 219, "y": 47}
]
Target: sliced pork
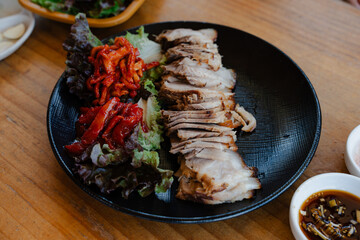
[
  {"x": 200, "y": 119},
  {"x": 180, "y": 92},
  {"x": 207, "y": 127},
  {"x": 177, "y": 142},
  {"x": 198, "y": 74},
  {"x": 186, "y": 134},
  {"x": 208, "y": 55},
  {"x": 183, "y": 35}
]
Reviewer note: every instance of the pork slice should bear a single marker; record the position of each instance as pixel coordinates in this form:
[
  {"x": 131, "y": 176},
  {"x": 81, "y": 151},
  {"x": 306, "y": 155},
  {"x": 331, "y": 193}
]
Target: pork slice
[
  {"x": 198, "y": 74},
  {"x": 194, "y": 115},
  {"x": 223, "y": 171},
  {"x": 183, "y": 35},
  {"x": 207, "y": 127},
  {"x": 175, "y": 92},
  {"x": 243, "y": 190},
  {"x": 176, "y": 142},
  {"x": 219, "y": 119},
  {"x": 216, "y": 181},
  {"x": 212, "y": 154},
  {"x": 224, "y": 104},
  {"x": 172, "y": 114},
  {"x": 208, "y": 55},
  {"x": 186, "y": 148},
  {"x": 222, "y": 165},
  {"x": 185, "y": 134},
  {"x": 192, "y": 189},
  {"x": 223, "y": 118}
]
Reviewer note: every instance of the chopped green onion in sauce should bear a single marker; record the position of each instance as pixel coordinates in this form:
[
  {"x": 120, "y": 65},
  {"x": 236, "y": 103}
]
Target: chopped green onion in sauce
[{"x": 331, "y": 214}]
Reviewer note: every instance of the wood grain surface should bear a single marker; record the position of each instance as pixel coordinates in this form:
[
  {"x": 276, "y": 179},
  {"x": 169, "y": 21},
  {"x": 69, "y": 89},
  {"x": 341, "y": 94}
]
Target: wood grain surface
[{"x": 39, "y": 201}]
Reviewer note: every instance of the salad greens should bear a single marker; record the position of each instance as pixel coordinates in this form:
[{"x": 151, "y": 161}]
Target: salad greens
[
  {"x": 78, "y": 46},
  {"x": 150, "y": 51},
  {"x": 135, "y": 166},
  {"x": 150, "y": 141},
  {"x": 92, "y": 8}
]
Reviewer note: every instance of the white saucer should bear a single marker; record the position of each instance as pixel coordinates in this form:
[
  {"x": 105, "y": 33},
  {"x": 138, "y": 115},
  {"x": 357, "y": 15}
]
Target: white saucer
[{"x": 23, "y": 16}]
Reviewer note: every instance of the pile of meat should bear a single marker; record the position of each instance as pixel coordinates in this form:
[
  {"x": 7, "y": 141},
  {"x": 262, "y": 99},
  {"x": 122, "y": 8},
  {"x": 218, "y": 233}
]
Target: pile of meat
[{"x": 200, "y": 119}]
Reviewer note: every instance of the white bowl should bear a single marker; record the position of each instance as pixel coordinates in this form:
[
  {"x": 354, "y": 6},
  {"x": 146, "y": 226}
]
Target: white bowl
[
  {"x": 352, "y": 153},
  {"x": 326, "y": 181},
  {"x": 6, "y": 22}
]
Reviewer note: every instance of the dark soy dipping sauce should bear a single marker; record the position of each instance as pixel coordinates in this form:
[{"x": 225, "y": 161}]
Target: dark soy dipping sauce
[{"x": 327, "y": 220}]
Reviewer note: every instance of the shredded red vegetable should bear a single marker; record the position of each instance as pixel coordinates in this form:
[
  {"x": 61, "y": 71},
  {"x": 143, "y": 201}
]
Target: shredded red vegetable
[
  {"x": 113, "y": 123},
  {"x": 118, "y": 70}
]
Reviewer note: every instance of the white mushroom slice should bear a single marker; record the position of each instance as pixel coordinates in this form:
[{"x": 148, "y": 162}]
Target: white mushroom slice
[
  {"x": 15, "y": 32},
  {"x": 248, "y": 117},
  {"x": 5, "y": 45}
]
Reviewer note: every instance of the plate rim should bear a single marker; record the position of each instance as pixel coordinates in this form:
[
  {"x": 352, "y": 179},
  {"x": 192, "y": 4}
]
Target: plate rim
[{"x": 203, "y": 219}]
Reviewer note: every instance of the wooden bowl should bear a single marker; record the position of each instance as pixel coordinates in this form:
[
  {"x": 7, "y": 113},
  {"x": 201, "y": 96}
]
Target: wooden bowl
[{"x": 93, "y": 22}]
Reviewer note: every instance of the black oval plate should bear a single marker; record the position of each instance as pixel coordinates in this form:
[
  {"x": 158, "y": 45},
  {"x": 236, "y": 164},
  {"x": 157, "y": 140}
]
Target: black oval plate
[{"x": 269, "y": 85}]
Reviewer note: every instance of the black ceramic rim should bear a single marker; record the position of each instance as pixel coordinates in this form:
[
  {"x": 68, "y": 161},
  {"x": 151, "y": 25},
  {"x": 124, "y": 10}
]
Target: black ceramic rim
[{"x": 204, "y": 219}]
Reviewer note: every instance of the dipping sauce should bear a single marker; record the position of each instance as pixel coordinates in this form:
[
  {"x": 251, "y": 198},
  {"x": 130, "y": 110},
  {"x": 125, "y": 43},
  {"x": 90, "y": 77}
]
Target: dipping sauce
[{"x": 331, "y": 214}]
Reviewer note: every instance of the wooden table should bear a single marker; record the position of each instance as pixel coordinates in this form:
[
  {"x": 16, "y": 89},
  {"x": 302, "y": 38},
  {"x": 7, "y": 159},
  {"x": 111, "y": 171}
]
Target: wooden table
[{"x": 39, "y": 201}]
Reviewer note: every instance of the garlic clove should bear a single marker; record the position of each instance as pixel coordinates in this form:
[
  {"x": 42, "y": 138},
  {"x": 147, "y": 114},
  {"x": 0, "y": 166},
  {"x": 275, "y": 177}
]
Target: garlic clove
[
  {"x": 4, "y": 45},
  {"x": 15, "y": 32}
]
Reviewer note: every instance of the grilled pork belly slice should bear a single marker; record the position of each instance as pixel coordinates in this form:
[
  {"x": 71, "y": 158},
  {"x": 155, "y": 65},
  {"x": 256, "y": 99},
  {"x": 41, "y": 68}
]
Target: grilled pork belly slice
[
  {"x": 198, "y": 74},
  {"x": 183, "y": 35},
  {"x": 185, "y": 134},
  {"x": 209, "y": 55},
  {"x": 198, "y": 126}
]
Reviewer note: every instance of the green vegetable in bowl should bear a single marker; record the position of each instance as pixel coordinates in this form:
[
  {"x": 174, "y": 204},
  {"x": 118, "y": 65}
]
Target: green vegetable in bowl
[{"x": 92, "y": 8}]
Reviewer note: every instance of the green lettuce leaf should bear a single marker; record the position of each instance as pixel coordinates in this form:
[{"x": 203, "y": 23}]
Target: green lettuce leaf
[
  {"x": 150, "y": 51},
  {"x": 102, "y": 156},
  {"x": 153, "y": 74},
  {"x": 166, "y": 181},
  {"x": 150, "y": 87},
  {"x": 148, "y": 157},
  {"x": 151, "y": 140},
  {"x": 78, "y": 46}
]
